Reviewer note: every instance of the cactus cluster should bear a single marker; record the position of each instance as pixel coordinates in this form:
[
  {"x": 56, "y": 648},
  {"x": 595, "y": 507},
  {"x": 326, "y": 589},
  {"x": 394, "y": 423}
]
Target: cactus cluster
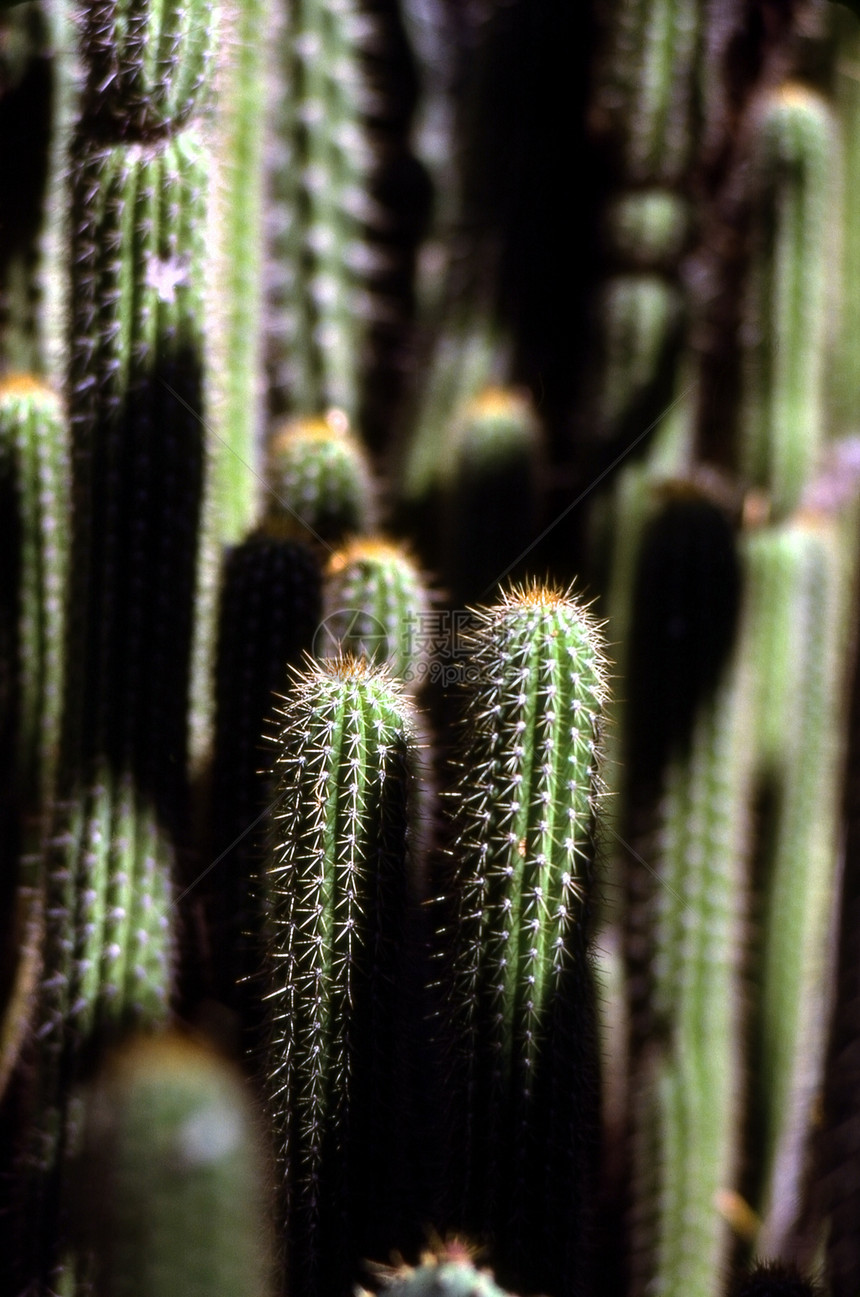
[{"x": 428, "y": 619}]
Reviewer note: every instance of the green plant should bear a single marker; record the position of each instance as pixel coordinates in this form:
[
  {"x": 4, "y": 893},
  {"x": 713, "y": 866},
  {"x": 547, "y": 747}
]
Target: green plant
[{"x": 224, "y": 271}]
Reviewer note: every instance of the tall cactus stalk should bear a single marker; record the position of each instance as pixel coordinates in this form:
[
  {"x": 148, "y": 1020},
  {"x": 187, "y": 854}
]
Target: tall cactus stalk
[
  {"x": 210, "y": 217},
  {"x": 341, "y": 885},
  {"x": 521, "y": 993}
]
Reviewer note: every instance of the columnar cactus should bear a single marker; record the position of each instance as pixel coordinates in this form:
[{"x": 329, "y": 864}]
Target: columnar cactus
[
  {"x": 170, "y": 1183},
  {"x": 521, "y": 992},
  {"x": 341, "y": 884},
  {"x": 195, "y": 201}
]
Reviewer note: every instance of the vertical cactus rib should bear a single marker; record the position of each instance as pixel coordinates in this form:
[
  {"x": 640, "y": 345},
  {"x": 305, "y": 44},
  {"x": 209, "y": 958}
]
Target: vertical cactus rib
[
  {"x": 319, "y": 182},
  {"x": 170, "y": 1184},
  {"x": 651, "y": 88},
  {"x": 339, "y": 880},
  {"x": 234, "y": 372},
  {"x": 798, "y": 625},
  {"x": 148, "y": 65},
  {"x": 34, "y": 468},
  {"x": 319, "y": 480},
  {"x": 136, "y": 410},
  {"x": 374, "y": 606},
  {"x": 788, "y": 302},
  {"x": 521, "y": 994}
]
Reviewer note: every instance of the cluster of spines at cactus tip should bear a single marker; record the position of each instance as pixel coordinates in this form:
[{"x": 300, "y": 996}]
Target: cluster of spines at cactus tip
[
  {"x": 319, "y": 482},
  {"x": 375, "y": 606},
  {"x": 340, "y": 888}
]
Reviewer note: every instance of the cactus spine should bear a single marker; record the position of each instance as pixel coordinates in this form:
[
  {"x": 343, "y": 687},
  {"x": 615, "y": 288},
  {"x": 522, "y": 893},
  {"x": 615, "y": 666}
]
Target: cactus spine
[
  {"x": 340, "y": 883},
  {"x": 521, "y": 989}
]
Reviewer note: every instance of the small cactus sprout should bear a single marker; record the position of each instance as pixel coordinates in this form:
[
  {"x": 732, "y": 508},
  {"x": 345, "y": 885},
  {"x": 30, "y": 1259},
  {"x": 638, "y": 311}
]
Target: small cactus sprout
[
  {"x": 319, "y": 480},
  {"x": 522, "y": 1005},
  {"x": 340, "y": 887},
  {"x": 170, "y": 1185},
  {"x": 788, "y": 302},
  {"x": 648, "y": 229},
  {"x": 447, "y": 1275},
  {"x": 375, "y": 606}
]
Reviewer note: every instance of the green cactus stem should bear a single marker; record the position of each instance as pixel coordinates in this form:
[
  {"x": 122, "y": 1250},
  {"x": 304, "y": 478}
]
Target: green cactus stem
[
  {"x": 148, "y": 64},
  {"x": 688, "y": 758},
  {"x": 320, "y": 171},
  {"x": 169, "y": 1188},
  {"x": 108, "y": 964},
  {"x": 521, "y": 985},
  {"x": 138, "y": 439},
  {"x": 34, "y": 467},
  {"x": 341, "y": 886},
  {"x": 641, "y": 318},
  {"x": 319, "y": 480},
  {"x": 269, "y": 611},
  {"x": 785, "y": 332},
  {"x": 650, "y": 86},
  {"x": 375, "y": 606},
  {"x": 234, "y": 395},
  {"x": 800, "y": 576}
]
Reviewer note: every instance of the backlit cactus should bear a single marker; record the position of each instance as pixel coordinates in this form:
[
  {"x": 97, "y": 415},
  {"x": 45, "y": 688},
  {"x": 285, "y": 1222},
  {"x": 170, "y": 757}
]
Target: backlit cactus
[
  {"x": 521, "y": 991},
  {"x": 342, "y": 885},
  {"x": 320, "y": 487},
  {"x": 211, "y": 232},
  {"x": 375, "y": 607}
]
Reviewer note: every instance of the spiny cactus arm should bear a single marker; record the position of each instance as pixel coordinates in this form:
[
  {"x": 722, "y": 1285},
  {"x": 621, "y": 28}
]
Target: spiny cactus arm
[
  {"x": 800, "y": 868},
  {"x": 320, "y": 173},
  {"x": 148, "y": 65},
  {"x": 785, "y": 333},
  {"x": 234, "y": 375},
  {"x": 688, "y": 1123},
  {"x": 34, "y": 461},
  {"x": 441, "y": 1276},
  {"x": 520, "y": 993},
  {"x": 339, "y": 885},
  {"x": 375, "y": 606},
  {"x": 135, "y": 404},
  {"x": 169, "y": 1191},
  {"x": 320, "y": 487},
  {"x": 650, "y": 85}
]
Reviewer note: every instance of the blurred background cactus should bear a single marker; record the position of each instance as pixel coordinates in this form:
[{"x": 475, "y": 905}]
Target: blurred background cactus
[{"x": 429, "y": 718}]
